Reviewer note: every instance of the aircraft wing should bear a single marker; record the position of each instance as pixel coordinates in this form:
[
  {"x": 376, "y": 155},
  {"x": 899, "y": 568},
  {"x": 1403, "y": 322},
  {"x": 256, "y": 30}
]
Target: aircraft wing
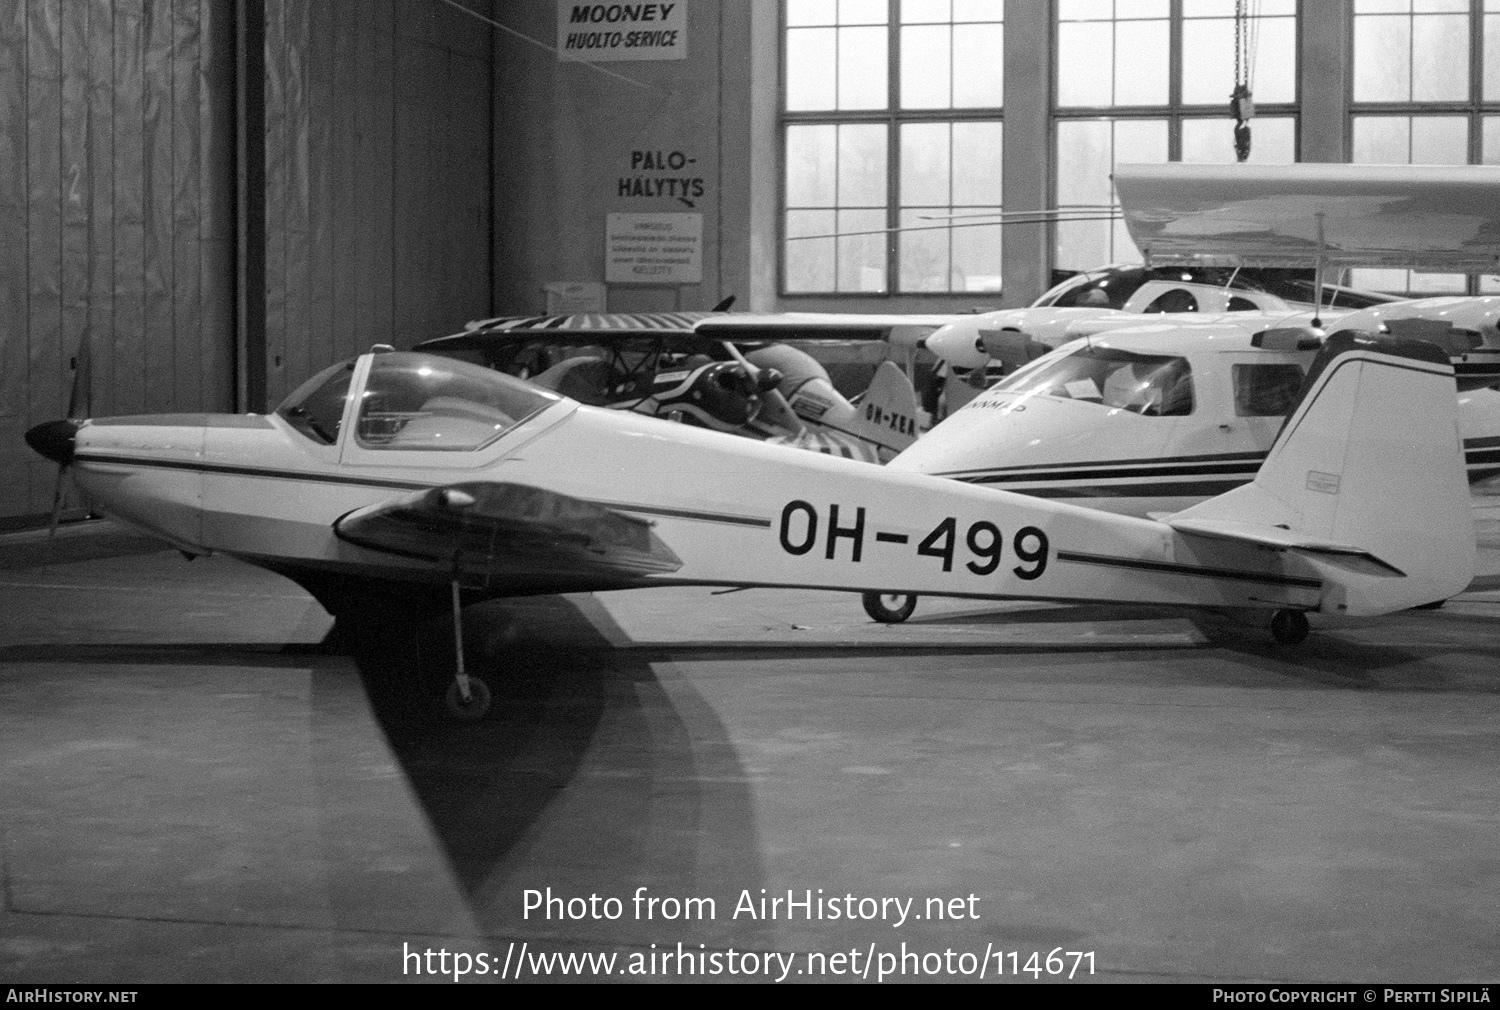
[
  {"x": 903, "y": 330},
  {"x": 512, "y": 535},
  {"x": 1427, "y": 217}
]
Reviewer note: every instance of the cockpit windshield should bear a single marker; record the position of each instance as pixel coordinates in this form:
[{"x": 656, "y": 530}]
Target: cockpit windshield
[
  {"x": 421, "y": 401},
  {"x": 316, "y": 408},
  {"x": 1155, "y": 385}
]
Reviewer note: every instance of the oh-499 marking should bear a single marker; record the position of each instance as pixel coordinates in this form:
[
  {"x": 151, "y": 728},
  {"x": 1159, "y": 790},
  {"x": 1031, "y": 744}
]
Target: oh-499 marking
[{"x": 800, "y": 525}]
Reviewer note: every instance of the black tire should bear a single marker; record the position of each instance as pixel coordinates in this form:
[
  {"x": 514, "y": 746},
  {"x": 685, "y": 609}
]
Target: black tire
[
  {"x": 885, "y": 608},
  {"x": 475, "y": 709},
  {"x": 1289, "y": 627}
]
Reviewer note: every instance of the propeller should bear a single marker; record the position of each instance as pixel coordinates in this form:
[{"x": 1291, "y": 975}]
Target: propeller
[{"x": 55, "y": 439}]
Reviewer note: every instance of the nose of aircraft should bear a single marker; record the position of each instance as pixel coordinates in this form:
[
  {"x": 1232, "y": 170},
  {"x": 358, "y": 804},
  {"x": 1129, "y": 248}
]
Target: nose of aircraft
[
  {"x": 958, "y": 344},
  {"x": 54, "y": 439}
]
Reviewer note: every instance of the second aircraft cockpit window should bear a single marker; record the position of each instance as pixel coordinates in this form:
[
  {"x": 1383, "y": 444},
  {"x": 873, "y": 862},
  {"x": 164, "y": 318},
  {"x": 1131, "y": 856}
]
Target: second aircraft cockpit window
[{"x": 1154, "y": 385}]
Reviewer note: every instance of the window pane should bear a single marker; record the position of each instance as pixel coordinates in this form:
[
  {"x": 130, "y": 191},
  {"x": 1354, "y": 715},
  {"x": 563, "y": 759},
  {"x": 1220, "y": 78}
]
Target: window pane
[
  {"x": 811, "y": 12},
  {"x": 1490, "y": 141},
  {"x": 809, "y": 264},
  {"x": 1382, "y": 55},
  {"x": 978, "y": 10},
  {"x": 811, "y": 154},
  {"x": 1439, "y": 140},
  {"x": 861, "y": 265},
  {"x": 862, "y": 165},
  {"x": 1085, "y": 64},
  {"x": 1083, "y": 163},
  {"x": 978, "y": 66},
  {"x": 925, "y": 11},
  {"x": 1141, "y": 64},
  {"x": 926, "y": 68},
  {"x": 976, "y": 257},
  {"x": 1068, "y": 10},
  {"x": 1274, "y": 75},
  {"x": 862, "y": 12},
  {"x": 1382, "y": 140},
  {"x": 1140, "y": 140},
  {"x": 977, "y": 150},
  {"x": 1440, "y": 58},
  {"x": 1273, "y": 141},
  {"x": 862, "y": 68},
  {"x": 1491, "y": 57},
  {"x": 924, "y": 253},
  {"x": 1207, "y": 61},
  {"x": 924, "y": 165},
  {"x": 809, "y": 54}
]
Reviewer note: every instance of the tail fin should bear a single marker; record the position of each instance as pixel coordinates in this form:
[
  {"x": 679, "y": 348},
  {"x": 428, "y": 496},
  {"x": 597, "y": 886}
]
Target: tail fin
[
  {"x": 1365, "y": 480},
  {"x": 888, "y": 410}
]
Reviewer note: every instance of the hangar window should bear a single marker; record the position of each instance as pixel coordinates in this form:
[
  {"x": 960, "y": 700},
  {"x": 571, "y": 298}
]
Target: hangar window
[
  {"x": 892, "y": 120},
  {"x": 1426, "y": 90},
  {"x": 1149, "y": 81},
  {"x": 418, "y": 401}
]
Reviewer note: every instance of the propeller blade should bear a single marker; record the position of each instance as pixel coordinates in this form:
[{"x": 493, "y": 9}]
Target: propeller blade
[{"x": 80, "y": 406}]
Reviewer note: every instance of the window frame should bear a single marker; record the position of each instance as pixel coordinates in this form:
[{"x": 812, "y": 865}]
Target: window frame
[
  {"x": 892, "y": 117},
  {"x": 1174, "y": 112},
  {"x": 1473, "y": 109}
]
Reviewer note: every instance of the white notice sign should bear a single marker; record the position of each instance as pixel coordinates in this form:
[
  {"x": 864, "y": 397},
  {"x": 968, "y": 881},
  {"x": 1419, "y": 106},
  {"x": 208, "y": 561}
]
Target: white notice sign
[
  {"x": 653, "y": 249},
  {"x": 601, "y": 32}
]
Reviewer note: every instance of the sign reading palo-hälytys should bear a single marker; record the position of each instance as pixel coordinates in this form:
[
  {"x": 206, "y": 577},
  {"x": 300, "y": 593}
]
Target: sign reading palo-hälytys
[
  {"x": 653, "y": 249},
  {"x": 596, "y": 33}
]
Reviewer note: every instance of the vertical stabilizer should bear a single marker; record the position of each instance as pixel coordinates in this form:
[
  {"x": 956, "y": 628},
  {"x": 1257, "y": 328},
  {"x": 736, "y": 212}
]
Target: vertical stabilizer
[{"x": 1365, "y": 480}]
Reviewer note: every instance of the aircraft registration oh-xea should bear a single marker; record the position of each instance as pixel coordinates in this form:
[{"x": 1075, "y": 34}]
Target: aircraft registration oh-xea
[
  {"x": 400, "y": 483},
  {"x": 745, "y": 374}
]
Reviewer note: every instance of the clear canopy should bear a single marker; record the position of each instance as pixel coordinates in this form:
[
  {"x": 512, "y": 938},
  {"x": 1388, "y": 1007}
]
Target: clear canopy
[{"x": 421, "y": 401}]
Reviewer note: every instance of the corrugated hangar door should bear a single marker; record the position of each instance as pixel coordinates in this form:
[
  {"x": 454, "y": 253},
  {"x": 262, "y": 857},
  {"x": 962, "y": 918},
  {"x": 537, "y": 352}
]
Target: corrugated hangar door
[
  {"x": 115, "y": 195},
  {"x": 377, "y": 183}
]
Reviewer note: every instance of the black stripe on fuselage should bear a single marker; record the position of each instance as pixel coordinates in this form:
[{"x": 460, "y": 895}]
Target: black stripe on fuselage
[
  {"x": 1169, "y": 568},
  {"x": 352, "y": 480},
  {"x": 1213, "y": 458}
]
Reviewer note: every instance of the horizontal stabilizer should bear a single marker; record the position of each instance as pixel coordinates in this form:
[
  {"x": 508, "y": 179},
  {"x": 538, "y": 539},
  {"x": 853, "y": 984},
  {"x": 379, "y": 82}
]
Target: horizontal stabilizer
[
  {"x": 510, "y": 535},
  {"x": 1353, "y": 558}
]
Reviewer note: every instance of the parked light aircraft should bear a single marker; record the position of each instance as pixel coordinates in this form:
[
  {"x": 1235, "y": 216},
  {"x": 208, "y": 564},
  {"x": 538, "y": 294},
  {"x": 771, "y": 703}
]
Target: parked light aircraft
[
  {"x": 1145, "y": 418},
  {"x": 402, "y": 482},
  {"x": 744, "y": 374}
]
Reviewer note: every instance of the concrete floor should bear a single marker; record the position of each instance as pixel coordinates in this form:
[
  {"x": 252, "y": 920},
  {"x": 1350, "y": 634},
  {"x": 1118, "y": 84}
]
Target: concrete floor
[{"x": 192, "y": 788}]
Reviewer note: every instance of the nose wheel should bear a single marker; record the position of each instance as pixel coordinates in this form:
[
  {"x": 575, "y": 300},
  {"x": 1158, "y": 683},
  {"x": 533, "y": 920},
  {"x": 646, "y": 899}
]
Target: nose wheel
[
  {"x": 889, "y": 608},
  {"x": 1289, "y": 627}
]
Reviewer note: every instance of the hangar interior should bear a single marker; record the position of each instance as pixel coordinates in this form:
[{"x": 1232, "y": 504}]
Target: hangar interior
[{"x": 203, "y": 204}]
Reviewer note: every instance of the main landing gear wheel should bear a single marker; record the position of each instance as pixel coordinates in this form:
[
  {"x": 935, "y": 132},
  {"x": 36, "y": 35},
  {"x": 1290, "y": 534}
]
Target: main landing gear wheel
[
  {"x": 1289, "y": 627},
  {"x": 476, "y": 708},
  {"x": 889, "y": 608}
]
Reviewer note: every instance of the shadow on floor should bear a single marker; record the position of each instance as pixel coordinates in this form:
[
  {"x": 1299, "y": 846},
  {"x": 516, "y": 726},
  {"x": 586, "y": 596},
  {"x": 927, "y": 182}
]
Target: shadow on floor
[{"x": 588, "y": 774}]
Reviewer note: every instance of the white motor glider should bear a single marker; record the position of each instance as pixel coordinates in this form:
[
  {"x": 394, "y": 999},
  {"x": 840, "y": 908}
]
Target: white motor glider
[{"x": 403, "y": 483}]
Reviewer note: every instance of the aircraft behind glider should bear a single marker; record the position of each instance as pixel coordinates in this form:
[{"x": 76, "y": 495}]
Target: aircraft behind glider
[
  {"x": 403, "y": 483},
  {"x": 738, "y": 373}
]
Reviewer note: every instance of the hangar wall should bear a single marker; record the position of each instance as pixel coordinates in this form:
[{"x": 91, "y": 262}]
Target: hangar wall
[
  {"x": 377, "y": 191},
  {"x": 114, "y": 215},
  {"x": 574, "y": 143}
]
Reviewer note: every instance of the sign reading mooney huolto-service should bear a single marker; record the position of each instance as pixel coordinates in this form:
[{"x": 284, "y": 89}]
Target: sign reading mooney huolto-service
[
  {"x": 596, "y": 33},
  {"x": 653, "y": 249}
]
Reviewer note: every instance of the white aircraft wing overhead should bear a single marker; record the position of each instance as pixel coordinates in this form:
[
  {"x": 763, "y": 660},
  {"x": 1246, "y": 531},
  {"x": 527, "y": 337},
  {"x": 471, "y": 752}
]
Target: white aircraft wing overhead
[
  {"x": 903, "y": 330},
  {"x": 1428, "y": 217}
]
